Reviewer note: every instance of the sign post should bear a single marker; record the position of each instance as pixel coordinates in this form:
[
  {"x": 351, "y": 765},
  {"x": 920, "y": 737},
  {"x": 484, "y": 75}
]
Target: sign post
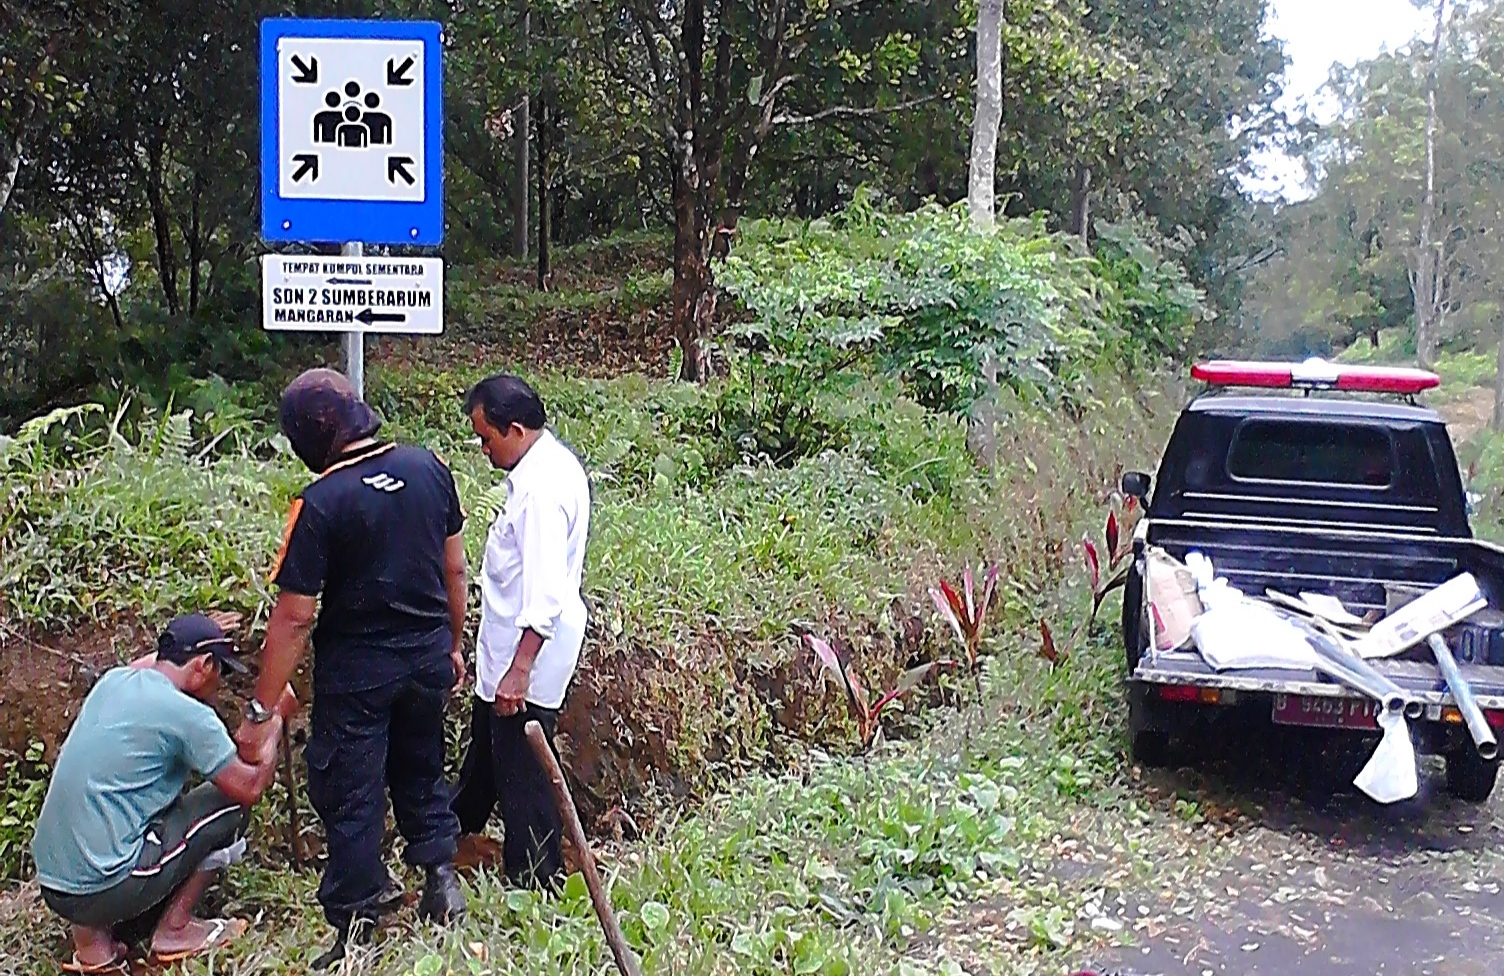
[
  {"x": 351, "y": 151},
  {"x": 355, "y": 340}
]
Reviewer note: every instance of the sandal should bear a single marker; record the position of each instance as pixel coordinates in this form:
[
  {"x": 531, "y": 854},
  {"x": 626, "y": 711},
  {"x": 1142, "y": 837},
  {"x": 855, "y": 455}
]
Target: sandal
[
  {"x": 221, "y": 933},
  {"x": 120, "y": 964}
]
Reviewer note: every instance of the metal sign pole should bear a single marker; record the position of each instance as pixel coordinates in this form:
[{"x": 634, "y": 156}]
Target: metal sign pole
[{"x": 355, "y": 342}]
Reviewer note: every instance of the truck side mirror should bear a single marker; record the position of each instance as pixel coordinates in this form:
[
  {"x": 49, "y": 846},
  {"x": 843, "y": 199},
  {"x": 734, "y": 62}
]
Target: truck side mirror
[{"x": 1136, "y": 485}]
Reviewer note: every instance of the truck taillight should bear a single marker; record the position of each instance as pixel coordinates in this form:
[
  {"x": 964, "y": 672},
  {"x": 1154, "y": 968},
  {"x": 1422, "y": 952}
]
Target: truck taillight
[
  {"x": 1190, "y": 693},
  {"x": 1316, "y": 374}
]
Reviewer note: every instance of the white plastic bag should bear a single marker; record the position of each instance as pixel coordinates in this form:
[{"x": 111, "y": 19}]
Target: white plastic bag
[
  {"x": 1242, "y": 634},
  {"x": 1390, "y": 775},
  {"x": 224, "y": 857}
]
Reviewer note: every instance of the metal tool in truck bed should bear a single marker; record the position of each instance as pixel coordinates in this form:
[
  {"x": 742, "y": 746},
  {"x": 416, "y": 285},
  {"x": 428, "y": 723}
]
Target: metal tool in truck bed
[{"x": 1322, "y": 479}]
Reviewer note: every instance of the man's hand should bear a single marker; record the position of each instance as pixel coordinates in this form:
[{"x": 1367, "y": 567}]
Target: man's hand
[
  {"x": 511, "y": 694},
  {"x": 270, "y": 745},
  {"x": 227, "y": 620},
  {"x": 252, "y": 738},
  {"x": 457, "y": 657}
]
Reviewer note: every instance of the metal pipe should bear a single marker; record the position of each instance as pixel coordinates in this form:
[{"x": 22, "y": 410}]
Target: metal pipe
[
  {"x": 1335, "y": 661},
  {"x": 1462, "y": 694}
]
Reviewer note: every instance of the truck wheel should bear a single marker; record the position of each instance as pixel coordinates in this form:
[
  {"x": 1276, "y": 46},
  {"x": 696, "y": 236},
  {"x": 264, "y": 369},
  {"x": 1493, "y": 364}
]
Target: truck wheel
[
  {"x": 1133, "y": 615},
  {"x": 1148, "y": 739},
  {"x": 1470, "y": 777},
  {"x": 1150, "y": 749}
]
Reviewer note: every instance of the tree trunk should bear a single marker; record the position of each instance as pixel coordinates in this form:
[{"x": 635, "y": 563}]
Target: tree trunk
[
  {"x": 12, "y": 170},
  {"x": 195, "y": 243},
  {"x": 161, "y": 223},
  {"x": 545, "y": 212},
  {"x": 694, "y": 311},
  {"x": 1081, "y": 204},
  {"x": 522, "y": 123},
  {"x": 694, "y": 287},
  {"x": 1427, "y": 278},
  {"x": 1497, "y": 423},
  {"x": 981, "y": 198}
]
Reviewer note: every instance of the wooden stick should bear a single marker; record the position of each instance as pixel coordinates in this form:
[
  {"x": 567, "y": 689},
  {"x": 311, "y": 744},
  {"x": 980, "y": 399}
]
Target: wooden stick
[
  {"x": 294, "y": 829},
  {"x": 626, "y": 960}
]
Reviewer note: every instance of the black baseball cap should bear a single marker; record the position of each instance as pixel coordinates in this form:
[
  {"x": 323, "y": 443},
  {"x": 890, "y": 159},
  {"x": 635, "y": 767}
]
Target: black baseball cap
[{"x": 194, "y": 634}]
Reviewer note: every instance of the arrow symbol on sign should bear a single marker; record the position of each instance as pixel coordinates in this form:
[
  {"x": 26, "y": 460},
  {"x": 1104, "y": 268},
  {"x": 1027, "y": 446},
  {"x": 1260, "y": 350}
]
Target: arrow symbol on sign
[
  {"x": 368, "y": 317},
  {"x": 308, "y": 74},
  {"x": 348, "y": 281},
  {"x": 396, "y": 74},
  {"x": 397, "y": 166},
  {"x": 307, "y": 163}
]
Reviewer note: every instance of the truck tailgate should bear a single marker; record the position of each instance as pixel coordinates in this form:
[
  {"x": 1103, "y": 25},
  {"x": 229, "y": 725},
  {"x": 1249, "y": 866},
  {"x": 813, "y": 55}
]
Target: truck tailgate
[{"x": 1419, "y": 678}]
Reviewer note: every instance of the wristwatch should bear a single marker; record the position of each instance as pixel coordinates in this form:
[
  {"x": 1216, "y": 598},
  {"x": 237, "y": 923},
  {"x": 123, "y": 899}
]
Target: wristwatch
[{"x": 257, "y": 713}]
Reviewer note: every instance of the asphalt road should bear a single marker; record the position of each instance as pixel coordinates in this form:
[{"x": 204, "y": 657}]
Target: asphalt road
[{"x": 1330, "y": 886}]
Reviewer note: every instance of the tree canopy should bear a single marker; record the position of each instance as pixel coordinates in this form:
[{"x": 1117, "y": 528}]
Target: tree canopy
[
  {"x": 129, "y": 130},
  {"x": 1346, "y": 266}
]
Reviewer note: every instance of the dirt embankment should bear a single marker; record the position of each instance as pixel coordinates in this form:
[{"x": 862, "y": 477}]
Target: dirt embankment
[{"x": 44, "y": 678}]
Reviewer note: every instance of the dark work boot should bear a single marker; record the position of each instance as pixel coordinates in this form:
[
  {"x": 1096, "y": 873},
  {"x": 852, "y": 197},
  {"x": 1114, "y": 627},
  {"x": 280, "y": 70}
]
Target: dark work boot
[
  {"x": 442, "y": 900},
  {"x": 391, "y": 895}
]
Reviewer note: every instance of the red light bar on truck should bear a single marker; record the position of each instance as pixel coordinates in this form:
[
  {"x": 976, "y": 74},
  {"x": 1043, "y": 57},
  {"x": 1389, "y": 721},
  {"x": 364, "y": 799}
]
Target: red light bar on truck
[{"x": 1316, "y": 374}]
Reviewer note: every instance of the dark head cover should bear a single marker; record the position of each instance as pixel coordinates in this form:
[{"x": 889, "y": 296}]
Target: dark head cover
[
  {"x": 321, "y": 416},
  {"x": 194, "y": 634}
]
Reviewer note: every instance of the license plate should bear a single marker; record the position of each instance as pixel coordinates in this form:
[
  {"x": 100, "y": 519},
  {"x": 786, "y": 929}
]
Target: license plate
[{"x": 1339, "y": 713}]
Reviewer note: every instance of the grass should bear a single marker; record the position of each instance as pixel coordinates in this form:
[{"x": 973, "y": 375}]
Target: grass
[
  {"x": 707, "y": 558},
  {"x": 701, "y": 561},
  {"x": 837, "y": 867}
]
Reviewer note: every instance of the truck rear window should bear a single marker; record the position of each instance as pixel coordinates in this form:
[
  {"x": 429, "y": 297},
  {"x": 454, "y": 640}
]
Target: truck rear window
[{"x": 1312, "y": 452}]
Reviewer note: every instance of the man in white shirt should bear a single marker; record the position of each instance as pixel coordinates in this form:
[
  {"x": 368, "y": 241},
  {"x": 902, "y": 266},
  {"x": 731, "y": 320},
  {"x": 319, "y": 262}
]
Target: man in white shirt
[{"x": 532, "y": 626}]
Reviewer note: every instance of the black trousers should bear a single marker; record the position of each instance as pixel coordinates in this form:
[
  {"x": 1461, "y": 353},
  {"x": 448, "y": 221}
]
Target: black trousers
[
  {"x": 500, "y": 769},
  {"x": 363, "y": 746}
]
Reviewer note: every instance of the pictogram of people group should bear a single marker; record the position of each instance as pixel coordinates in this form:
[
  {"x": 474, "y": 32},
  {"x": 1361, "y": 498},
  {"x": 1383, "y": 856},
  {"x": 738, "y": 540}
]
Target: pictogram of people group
[{"x": 352, "y": 121}]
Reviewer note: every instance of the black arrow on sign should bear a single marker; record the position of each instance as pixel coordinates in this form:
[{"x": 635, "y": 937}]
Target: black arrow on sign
[
  {"x": 368, "y": 317},
  {"x": 307, "y": 163},
  {"x": 397, "y": 166},
  {"x": 348, "y": 281},
  {"x": 308, "y": 74},
  {"x": 396, "y": 74}
]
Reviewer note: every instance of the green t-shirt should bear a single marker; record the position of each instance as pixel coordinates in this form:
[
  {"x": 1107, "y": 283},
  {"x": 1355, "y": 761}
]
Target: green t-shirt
[{"x": 125, "y": 760}]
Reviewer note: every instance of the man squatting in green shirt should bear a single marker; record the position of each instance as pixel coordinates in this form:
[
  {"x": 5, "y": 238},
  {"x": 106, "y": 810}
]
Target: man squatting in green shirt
[{"x": 119, "y": 847}]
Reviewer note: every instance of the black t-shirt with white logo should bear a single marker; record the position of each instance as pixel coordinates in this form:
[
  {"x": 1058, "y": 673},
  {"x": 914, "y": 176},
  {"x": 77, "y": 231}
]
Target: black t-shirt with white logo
[{"x": 369, "y": 536}]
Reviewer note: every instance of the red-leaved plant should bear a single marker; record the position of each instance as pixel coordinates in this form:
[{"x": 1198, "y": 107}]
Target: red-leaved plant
[
  {"x": 1117, "y": 535},
  {"x": 967, "y": 615},
  {"x": 867, "y": 715}
]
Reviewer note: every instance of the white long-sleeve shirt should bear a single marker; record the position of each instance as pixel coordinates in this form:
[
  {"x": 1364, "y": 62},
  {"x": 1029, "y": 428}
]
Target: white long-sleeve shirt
[{"x": 535, "y": 556}]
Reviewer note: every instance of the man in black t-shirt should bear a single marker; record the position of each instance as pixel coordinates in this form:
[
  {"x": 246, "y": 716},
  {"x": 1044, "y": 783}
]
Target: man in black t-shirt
[{"x": 377, "y": 535}]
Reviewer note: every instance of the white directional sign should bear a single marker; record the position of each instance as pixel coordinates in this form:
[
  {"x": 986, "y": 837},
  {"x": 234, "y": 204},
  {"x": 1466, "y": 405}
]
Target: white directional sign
[
  {"x": 352, "y": 294},
  {"x": 350, "y": 118}
]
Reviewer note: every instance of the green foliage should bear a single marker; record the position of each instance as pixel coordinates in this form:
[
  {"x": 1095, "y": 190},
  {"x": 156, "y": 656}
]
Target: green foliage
[
  {"x": 843, "y": 868},
  {"x": 1153, "y": 297},
  {"x": 700, "y": 558},
  {"x": 22, "y": 791},
  {"x": 1344, "y": 260},
  {"x": 129, "y": 244},
  {"x": 944, "y": 309},
  {"x": 139, "y": 519},
  {"x": 1459, "y": 370}
]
